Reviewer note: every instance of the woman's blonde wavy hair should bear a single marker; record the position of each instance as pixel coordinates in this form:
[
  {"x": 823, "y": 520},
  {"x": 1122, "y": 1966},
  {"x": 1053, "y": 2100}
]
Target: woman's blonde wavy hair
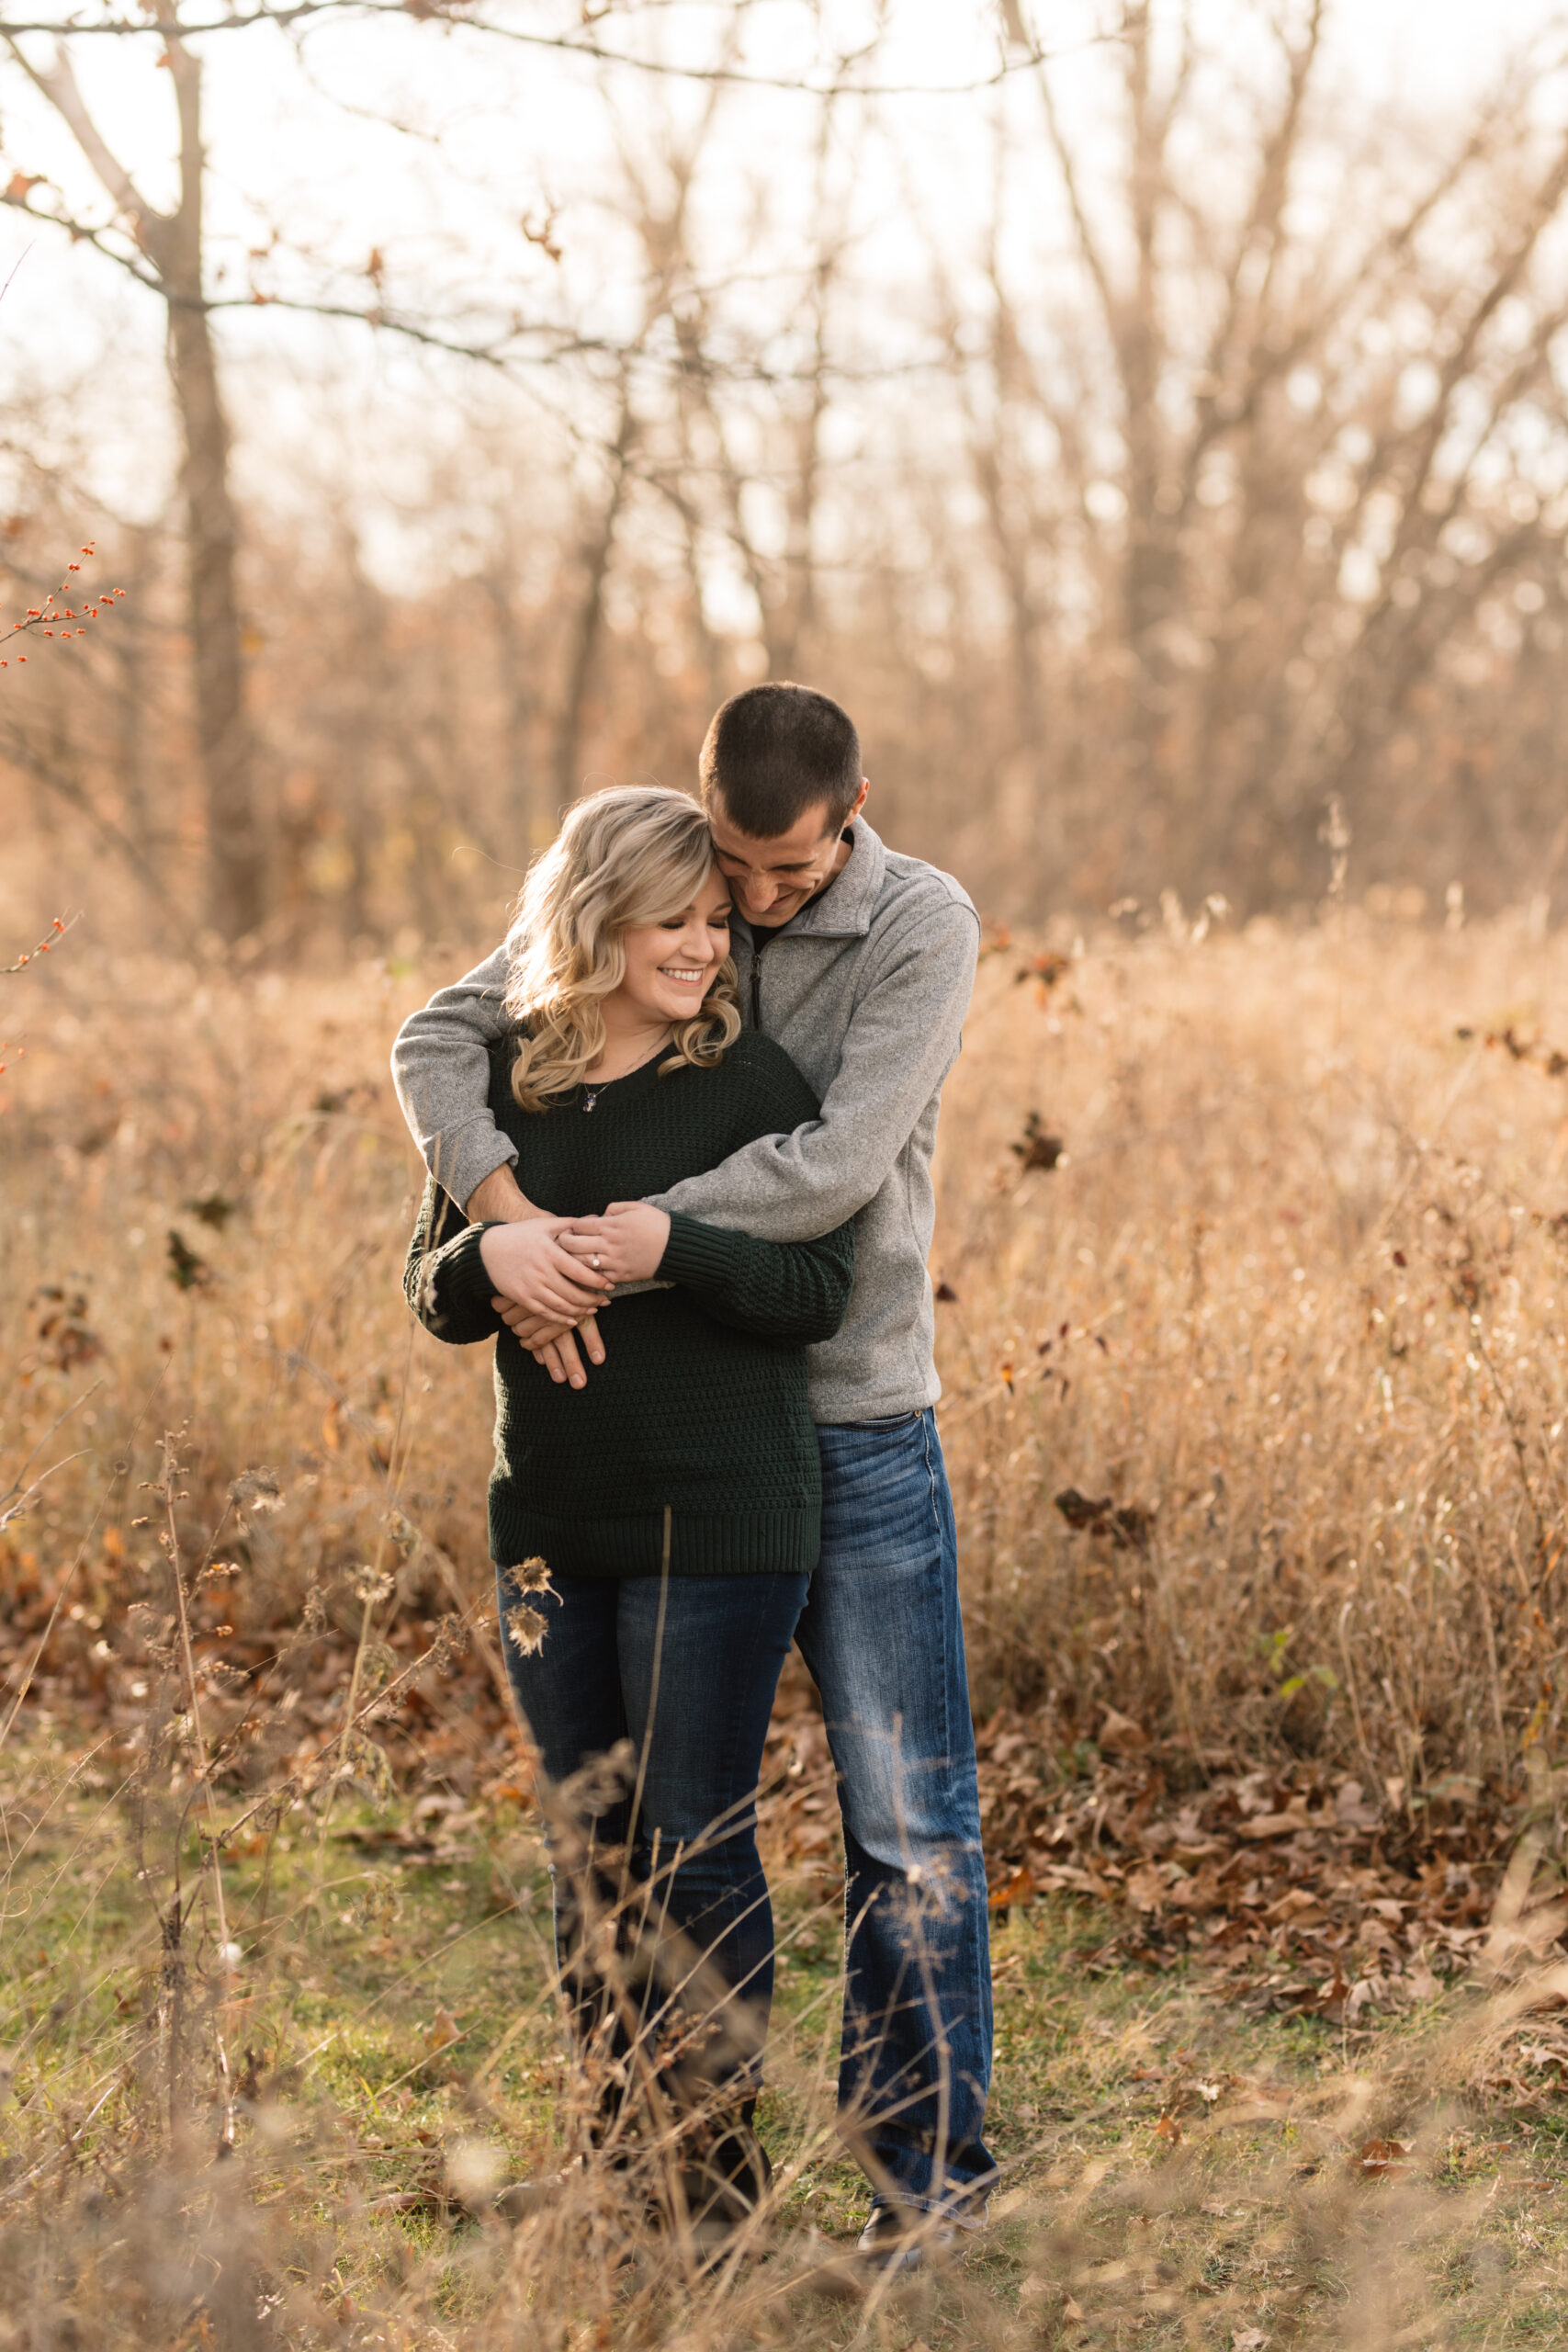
[{"x": 635, "y": 854}]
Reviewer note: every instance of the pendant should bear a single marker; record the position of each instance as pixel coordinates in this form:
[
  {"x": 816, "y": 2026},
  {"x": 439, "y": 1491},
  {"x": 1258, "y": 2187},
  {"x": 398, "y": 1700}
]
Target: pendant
[{"x": 590, "y": 1100}]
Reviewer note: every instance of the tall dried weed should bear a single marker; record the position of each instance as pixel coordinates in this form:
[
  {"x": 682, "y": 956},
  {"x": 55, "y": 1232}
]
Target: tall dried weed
[{"x": 1249, "y": 1261}]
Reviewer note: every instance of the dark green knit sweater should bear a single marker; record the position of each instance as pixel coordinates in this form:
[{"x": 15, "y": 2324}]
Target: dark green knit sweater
[{"x": 700, "y": 1404}]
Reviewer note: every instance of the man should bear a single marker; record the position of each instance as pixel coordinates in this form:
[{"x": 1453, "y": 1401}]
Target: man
[{"x": 860, "y": 962}]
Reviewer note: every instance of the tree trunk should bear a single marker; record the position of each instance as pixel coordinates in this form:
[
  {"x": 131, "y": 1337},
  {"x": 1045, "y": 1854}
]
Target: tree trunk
[
  {"x": 236, "y": 865},
  {"x": 589, "y": 621},
  {"x": 236, "y": 885}
]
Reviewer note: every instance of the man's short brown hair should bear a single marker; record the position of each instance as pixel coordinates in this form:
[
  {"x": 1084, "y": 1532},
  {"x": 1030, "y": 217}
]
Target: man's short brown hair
[{"x": 775, "y": 751}]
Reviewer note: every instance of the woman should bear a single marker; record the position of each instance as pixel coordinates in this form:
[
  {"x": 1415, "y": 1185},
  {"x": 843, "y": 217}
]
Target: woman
[{"x": 674, "y": 1500}]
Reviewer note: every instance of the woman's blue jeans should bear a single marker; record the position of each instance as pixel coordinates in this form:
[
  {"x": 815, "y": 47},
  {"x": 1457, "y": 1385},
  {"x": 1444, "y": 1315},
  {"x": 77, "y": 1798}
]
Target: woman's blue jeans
[{"x": 684, "y": 1669}]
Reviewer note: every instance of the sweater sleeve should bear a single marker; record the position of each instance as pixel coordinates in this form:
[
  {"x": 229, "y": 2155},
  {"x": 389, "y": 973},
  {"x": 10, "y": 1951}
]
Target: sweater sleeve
[
  {"x": 901, "y": 1043},
  {"x": 444, "y": 1279},
  {"x": 795, "y": 1292},
  {"x": 441, "y": 1068},
  {"x": 791, "y": 1290}
]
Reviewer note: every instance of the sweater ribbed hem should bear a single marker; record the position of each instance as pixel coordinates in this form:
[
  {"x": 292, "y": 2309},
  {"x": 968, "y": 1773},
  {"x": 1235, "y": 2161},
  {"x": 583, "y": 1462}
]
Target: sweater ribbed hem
[{"x": 732, "y": 1543}]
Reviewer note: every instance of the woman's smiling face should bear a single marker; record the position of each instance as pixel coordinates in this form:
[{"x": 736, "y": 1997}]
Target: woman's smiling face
[{"x": 670, "y": 965}]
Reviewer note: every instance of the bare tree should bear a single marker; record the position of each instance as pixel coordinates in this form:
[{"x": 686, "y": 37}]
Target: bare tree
[
  {"x": 1205, "y": 487},
  {"x": 165, "y": 250},
  {"x": 171, "y": 244},
  {"x": 1288, "y": 537},
  {"x": 721, "y": 405}
]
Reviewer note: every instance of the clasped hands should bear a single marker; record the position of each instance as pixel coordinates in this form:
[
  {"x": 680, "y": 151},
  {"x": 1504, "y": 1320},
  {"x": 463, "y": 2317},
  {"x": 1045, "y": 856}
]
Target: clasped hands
[{"x": 550, "y": 1273}]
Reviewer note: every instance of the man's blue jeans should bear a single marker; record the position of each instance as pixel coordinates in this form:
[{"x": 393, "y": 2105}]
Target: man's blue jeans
[{"x": 882, "y": 1634}]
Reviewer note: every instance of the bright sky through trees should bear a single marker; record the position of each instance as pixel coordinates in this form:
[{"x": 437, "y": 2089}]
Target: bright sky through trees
[
  {"x": 488, "y": 134},
  {"x": 1157, "y": 408}
]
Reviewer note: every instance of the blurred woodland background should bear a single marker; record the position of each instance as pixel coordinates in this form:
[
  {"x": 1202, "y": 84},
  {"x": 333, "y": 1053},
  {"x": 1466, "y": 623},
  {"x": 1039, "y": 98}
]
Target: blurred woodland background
[
  {"x": 1158, "y": 432},
  {"x": 1150, "y": 417}
]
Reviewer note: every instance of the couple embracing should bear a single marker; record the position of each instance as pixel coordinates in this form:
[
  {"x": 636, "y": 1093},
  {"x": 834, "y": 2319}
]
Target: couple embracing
[{"x": 679, "y": 1130}]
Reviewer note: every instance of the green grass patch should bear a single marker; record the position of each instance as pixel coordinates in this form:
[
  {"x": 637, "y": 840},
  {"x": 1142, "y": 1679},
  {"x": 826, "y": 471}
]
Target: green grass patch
[{"x": 1178, "y": 2170}]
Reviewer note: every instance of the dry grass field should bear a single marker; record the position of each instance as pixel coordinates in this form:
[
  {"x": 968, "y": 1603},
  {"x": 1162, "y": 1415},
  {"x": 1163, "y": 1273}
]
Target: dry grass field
[{"x": 1251, "y": 1255}]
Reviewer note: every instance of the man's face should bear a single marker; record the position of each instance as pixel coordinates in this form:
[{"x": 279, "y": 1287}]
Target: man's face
[{"x": 773, "y": 879}]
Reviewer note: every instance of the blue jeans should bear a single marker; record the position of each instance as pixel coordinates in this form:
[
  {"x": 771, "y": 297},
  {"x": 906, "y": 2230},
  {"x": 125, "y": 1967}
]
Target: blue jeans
[
  {"x": 694, "y": 1706},
  {"x": 882, "y": 1634}
]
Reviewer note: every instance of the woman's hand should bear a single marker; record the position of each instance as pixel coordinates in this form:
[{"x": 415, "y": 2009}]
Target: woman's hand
[
  {"x": 628, "y": 1243},
  {"x": 532, "y": 1267}
]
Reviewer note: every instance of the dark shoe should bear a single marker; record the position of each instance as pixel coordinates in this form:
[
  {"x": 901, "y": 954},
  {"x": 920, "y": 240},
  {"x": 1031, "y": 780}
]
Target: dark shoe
[
  {"x": 905, "y": 2238},
  {"x": 724, "y": 2176}
]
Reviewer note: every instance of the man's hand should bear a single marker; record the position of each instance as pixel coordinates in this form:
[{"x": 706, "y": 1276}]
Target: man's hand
[
  {"x": 628, "y": 1242},
  {"x": 536, "y": 1331},
  {"x": 559, "y": 1356},
  {"x": 530, "y": 1268},
  {"x": 553, "y": 1343}
]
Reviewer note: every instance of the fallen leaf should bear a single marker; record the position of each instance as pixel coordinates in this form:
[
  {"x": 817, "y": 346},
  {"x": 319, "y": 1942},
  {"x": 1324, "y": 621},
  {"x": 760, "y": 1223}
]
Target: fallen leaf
[
  {"x": 442, "y": 2030},
  {"x": 1017, "y": 1887},
  {"x": 1383, "y": 2159},
  {"x": 1332, "y": 1995},
  {"x": 1295, "y": 1904},
  {"x": 1169, "y": 2130}
]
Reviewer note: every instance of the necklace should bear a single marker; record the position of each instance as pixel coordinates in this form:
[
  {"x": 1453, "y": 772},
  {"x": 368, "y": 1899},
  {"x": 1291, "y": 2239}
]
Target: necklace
[{"x": 591, "y": 1094}]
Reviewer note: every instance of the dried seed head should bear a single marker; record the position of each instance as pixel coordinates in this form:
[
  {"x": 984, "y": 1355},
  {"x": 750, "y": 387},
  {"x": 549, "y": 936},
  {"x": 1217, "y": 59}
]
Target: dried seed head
[
  {"x": 451, "y": 1639},
  {"x": 260, "y": 1488},
  {"x": 527, "y": 1628}
]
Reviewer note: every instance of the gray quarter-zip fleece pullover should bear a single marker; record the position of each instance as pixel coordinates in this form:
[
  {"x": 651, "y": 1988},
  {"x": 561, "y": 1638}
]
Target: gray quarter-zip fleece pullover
[{"x": 865, "y": 990}]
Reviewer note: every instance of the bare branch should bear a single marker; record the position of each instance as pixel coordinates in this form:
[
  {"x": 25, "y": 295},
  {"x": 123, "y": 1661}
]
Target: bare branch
[
  {"x": 52, "y": 938},
  {"x": 81, "y": 232},
  {"x": 17, "y": 751},
  {"x": 9, "y": 1506},
  {"x": 58, "y": 86},
  {"x": 1089, "y": 243},
  {"x": 455, "y": 12}
]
